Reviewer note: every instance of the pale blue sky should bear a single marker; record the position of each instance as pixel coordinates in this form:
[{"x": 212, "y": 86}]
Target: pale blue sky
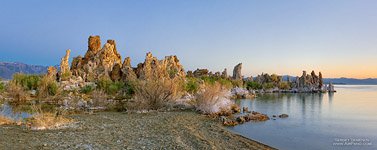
[{"x": 337, "y": 37}]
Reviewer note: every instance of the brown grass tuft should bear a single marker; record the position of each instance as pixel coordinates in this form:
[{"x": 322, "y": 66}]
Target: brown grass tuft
[
  {"x": 5, "y": 120},
  {"x": 44, "y": 121}
]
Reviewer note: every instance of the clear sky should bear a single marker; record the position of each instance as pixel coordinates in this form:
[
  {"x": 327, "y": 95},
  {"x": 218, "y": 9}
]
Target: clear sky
[{"x": 337, "y": 37}]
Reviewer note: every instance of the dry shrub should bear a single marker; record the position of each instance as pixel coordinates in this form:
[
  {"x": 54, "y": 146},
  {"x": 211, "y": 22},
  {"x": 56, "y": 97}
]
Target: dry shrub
[
  {"x": 43, "y": 121},
  {"x": 155, "y": 93},
  {"x": 5, "y": 120},
  {"x": 47, "y": 87},
  {"x": 213, "y": 99},
  {"x": 16, "y": 92},
  {"x": 47, "y": 120},
  {"x": 99, "y": 98}
]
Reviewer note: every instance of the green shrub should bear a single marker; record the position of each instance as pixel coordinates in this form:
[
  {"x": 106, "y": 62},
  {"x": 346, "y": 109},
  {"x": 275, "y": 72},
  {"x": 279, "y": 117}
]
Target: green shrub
[
  {"x": 109, "y": 86},
  {"x": 47, "y": 86},
  {"x": 52, "y": 88},
  {"x": 192, "y": 85},
  {"x": 237, "y": 83},
  {"x": 253, "y": 85},
  {"x": 284, "y": 85},
  {"x": 87, "y": 89},
  {"x": 268, "y": 85},
  {"x": 29, "y": 82},
  {"x": 65, "y": 76},
  {"x": 2, "y": 86}
]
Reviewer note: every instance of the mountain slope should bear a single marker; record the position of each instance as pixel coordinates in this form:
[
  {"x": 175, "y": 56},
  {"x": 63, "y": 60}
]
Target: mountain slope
[{"x": 7, "y": 69}]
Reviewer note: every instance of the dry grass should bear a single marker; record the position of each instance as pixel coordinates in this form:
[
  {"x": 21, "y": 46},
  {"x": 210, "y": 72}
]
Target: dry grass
[
  {"x": 5, "y": 120},
  {"x": 16, "y": 92},
  {"x": 44, "y": 121},
  {"x": 155, "y": 93},
  {"x": 212, "y": 99},
  {"x": 99, "y": 98}
]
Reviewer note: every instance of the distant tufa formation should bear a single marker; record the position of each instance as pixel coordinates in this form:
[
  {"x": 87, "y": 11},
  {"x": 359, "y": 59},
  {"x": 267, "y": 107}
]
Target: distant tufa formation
[{"x": 106, "y": 62}]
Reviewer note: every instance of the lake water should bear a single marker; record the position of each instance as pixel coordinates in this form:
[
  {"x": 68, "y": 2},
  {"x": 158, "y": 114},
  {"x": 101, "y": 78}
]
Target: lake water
[{"x": 343, "y": 120}]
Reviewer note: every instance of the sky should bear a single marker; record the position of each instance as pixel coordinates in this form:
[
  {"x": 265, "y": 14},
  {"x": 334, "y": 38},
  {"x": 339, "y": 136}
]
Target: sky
[{"x": 338, "y": 37}]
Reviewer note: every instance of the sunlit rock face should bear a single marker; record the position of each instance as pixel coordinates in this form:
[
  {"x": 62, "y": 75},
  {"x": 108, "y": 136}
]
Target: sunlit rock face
[
  {"x": 64, "y": 63},
  {"x": 51, "y": 72},
  {"x": 106, "y": 62},
  {"x": 98, "y": 62},
  {"x": 237, "y": 72},
  {"x": 152, "y": 67}
]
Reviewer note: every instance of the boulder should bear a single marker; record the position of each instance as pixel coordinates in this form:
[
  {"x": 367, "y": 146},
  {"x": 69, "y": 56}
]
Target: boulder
[{"x": 283, "y": 116}]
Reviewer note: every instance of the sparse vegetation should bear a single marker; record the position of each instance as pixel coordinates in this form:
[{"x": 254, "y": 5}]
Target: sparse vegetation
[
  {"x": 28, "y": 82},
  {"x": 5, "y": 120},
  {"x": 212, "y": 99},
  {"x": 2, "y": 86},
  {"x": 87, "y": 89},
  {"x": 16, "y": 92},
  {"x": 192, "y": 85},
  {"x": 155, "y": 93},
  {"x": 251, "y": 85},
  {"x": 47, "y": 87}
]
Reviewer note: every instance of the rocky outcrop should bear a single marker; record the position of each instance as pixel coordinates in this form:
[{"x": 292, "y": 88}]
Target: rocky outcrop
[
  {"x": 98, "y": 62},
  {"x": 201, "y": 73},
  {"x": 152, "y": 67},
  {"x": 51, "y": 72},
  {"x": 128, "y": 73},
  {"x": 224, "y": 74},
  {"x": 309, "y": 83},
  {"x": 237, "y": 72},
  {"x": 64, "y": 65}
]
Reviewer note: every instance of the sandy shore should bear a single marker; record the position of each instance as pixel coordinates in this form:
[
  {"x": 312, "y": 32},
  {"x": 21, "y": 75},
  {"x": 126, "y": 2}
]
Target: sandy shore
[{"x": 112, "y": 130}]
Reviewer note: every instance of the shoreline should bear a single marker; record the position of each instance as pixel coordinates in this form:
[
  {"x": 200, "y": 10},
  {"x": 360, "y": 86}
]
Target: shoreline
[{"x": 172, "y": 130}]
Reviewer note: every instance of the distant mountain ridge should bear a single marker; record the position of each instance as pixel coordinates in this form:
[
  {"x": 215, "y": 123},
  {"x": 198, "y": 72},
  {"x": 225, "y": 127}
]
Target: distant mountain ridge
[
  {"x": 7, "y": 69},
  {"x": 352, "y": 81}
]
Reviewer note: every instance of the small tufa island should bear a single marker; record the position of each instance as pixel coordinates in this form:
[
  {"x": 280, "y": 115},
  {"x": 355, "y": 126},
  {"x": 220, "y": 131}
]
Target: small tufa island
[{"x": 101, "y": 81}]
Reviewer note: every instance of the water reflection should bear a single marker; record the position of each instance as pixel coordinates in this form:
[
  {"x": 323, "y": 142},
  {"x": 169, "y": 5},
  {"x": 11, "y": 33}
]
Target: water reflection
[
  {"x": 7, "y": 111},
  {"x": 314, "y": 119}
]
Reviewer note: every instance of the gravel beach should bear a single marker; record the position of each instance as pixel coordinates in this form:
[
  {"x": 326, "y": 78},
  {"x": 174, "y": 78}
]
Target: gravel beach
[{"x": 114, "y": 130}]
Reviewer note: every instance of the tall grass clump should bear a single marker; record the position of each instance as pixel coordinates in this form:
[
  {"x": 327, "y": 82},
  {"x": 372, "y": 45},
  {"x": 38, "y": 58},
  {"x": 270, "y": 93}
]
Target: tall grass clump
[
  {"x": 213, "y": 99},
  {"x": 16, "y": 92},
  {"x": 29, "y": 82},
  {"x": 155, "y": 93},
  {"x": 47, "y": 120},
  {"x": 110, "y": 87},
  {"x": 192, "y": 85},
  {"x": 47, "y": 87},
  {"x": 2, "y": 86}
]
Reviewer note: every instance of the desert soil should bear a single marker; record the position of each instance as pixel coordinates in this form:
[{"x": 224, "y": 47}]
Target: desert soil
[{"x": 114, "y": 130}]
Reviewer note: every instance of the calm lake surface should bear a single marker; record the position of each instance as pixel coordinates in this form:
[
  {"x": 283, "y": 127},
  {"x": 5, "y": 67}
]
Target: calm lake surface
[
  {"x": 316, "y": 121},
  {"x": 343, "y": 120}
]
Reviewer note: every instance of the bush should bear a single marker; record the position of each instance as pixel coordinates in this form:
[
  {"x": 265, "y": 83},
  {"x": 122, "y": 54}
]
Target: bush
[
  {"x": 237, "y": 83},
  {"x": 16, "y": 92},
  {"x": 212, "y": 99},
  {"x": 268, "y": 85},
  {"x": 29, "y": 82},
  {"x": 109, "y": 86},
  {"x": 192, "y": 85},
  {"x": 213, "y": 80},
  {"x": 65, "y": 76},
  {"x": 2, "y": 86},
  {"x": 284, "y": 85},
  {"x": 156, "y": 92},
  {"x": 251, "y": 85},
  {"x": 87, "y": 89},
  {"x": 47, "y": 87}
]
